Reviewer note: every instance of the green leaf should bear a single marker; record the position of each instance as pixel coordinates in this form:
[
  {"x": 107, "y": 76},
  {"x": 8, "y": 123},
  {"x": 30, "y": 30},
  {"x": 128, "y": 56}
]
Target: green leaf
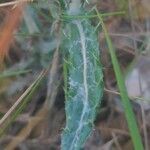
[{"x": 85, "y": 83}]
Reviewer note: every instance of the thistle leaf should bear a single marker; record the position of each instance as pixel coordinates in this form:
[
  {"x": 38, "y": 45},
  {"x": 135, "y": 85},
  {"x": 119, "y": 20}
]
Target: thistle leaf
[{"x": 85, "y": 83}]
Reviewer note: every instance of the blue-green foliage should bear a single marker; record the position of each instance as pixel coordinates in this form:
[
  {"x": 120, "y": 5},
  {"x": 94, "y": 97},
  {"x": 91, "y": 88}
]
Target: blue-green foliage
[{"x": 84, "y": 80}]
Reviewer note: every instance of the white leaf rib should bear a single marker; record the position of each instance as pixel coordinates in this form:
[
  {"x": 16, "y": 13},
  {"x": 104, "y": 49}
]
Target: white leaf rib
[
  {"x": 85, "y": 84},
  {"x": 84, "y": 57}
]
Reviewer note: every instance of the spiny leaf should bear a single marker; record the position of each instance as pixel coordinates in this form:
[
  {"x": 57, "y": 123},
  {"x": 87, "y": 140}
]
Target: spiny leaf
[{"x": 85, "y": 83}]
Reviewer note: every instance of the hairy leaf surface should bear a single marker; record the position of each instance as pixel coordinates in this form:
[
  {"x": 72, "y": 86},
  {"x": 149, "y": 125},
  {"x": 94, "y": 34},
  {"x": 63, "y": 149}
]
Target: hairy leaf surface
[{"x": 85, "y": 82}]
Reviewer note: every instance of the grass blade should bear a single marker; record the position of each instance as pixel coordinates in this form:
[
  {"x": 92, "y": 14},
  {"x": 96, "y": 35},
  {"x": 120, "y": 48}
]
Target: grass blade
[
  {"x": 93, "y": 16},
  {"x": 13, "y": 73},
  {"x": 133, "y": 128}
]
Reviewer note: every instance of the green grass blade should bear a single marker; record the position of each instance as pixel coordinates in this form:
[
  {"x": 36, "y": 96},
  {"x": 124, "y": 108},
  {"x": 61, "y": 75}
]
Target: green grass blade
[
  {"x": 92, "y": 16},
  {"x": 7, "y": 74},
  {"x": 133, "y": 128}
]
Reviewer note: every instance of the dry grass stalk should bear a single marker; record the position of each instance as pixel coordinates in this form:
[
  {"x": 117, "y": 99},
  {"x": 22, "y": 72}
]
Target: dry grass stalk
[{"x": 44, "y": 111}]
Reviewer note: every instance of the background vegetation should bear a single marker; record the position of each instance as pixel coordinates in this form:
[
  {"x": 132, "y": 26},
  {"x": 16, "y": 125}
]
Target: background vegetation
[{"x": 32, "y": 78}]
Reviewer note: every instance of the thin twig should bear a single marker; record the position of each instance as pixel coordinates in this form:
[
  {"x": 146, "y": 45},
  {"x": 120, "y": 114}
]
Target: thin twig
[
  {"x": 14, "y": 3},
  {"x": 116, "y": 142},
  {"x": 132, "y": 26},
  {"x": 117, "y": 93}
]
